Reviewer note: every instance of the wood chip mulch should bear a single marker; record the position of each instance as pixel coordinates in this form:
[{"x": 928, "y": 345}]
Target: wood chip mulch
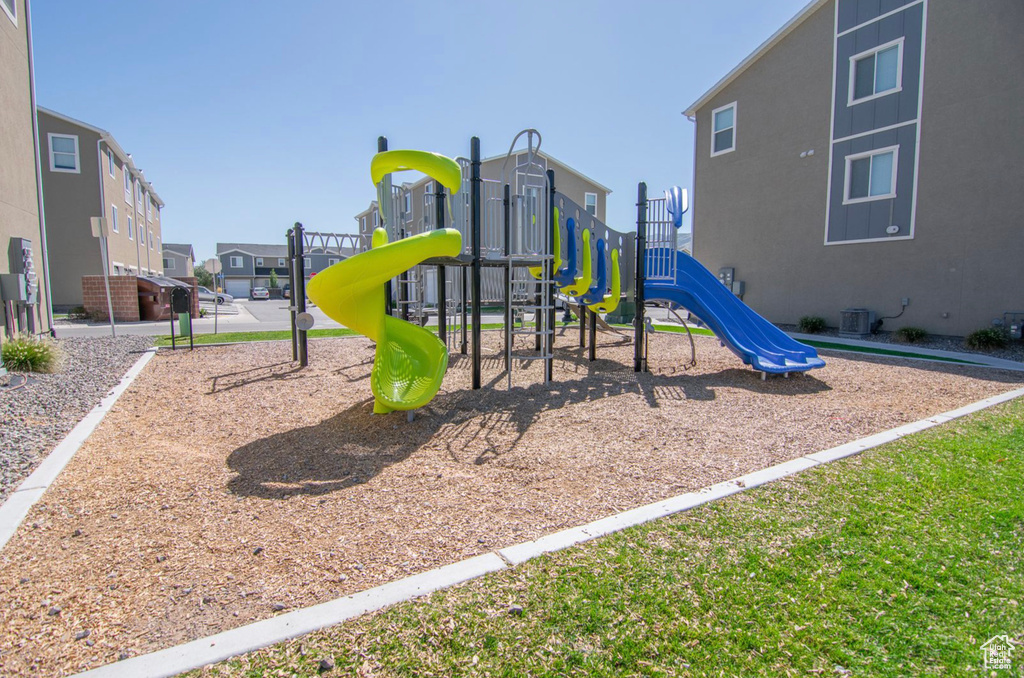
[{"x": 227, "y": 485}]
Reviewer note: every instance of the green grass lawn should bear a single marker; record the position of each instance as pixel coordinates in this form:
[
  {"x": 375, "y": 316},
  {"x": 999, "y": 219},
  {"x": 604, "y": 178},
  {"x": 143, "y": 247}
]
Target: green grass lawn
[{"x": 899, "y": 562}]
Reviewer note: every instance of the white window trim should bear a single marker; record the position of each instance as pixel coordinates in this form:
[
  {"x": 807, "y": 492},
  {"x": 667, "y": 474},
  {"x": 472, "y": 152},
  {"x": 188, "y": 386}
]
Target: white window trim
[
  {"x": 428, "y": 188},
  {"x": 735, "y": 121},
  {"x": 113, "y": 219},
  {"x": 362, "y": 223},
  {"x": 169, "y": 263},
  {"x": 13, "y": 17},
  {"x": 307, "y": 263},
  {"x": 78, "y": 158},
  {"x": 232, "y": 260},
  {"x": 110, "y": 163},
  {"x": 259, "y": 261},
  {"x": 131, "y": 229},
  {"x": 142, "y": 235},
  {"x": 847, "y": 200},
  {"x": 585, "y": 196},
  {"x": 850, "y": 101},
  {"x": 332, "y": 262},
  {"x": 376, "y": 219},
  {"x": 282, "y": 262},
  {"x": 151, "y": 240},
  {"x": 127, "y": 185},
  {"x": 149, "y": 208}
]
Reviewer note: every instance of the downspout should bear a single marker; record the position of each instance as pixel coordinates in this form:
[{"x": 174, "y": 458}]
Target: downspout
[
  {"x": 39, "y": 169},
  {"x": 693, "y": 188}
]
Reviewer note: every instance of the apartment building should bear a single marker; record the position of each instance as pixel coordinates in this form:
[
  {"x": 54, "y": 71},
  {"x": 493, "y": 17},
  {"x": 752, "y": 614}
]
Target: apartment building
[
  {"x": 580, "y": 188},
  {"x": 868, "y": 156},
  {"x": 87, "y": 174},
  {"x": 248, "y": 265},
  {"x": 179, "y": 260},
  {"x": 23, "y": 246}
]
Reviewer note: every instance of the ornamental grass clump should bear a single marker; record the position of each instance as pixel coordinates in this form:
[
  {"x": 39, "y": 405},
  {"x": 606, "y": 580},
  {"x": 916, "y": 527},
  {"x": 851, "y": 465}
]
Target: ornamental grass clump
[{"x": 28, "y": 354}]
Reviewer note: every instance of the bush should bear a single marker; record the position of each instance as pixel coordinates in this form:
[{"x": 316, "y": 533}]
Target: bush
[
  {"x": 986, "y": 339},
  {"x": 910, "y": 335},
  {"x": 28, "y": 354},
  {"x": 812, "y": 324},
  {"x": 78, "y": 313}
]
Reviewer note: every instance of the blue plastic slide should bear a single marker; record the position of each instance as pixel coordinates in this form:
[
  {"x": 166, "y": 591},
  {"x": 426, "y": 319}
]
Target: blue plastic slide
[{"x": 755, "y": 340}]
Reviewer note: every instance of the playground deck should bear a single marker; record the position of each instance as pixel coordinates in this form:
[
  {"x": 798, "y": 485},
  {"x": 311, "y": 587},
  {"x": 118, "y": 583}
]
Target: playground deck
[{"x": 227, "y": 485}]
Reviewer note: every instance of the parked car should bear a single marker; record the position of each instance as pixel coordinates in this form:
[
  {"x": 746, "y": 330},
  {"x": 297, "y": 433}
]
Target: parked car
[
  {"x": 286, "y": 291},
  {"x": 206, "y": 295},
  {"x": 260, "y": 293}
]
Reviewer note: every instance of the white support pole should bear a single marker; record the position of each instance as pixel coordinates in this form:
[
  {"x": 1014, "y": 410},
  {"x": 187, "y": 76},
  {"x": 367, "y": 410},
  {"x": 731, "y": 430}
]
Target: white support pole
[{"x": 106, "y": 283}]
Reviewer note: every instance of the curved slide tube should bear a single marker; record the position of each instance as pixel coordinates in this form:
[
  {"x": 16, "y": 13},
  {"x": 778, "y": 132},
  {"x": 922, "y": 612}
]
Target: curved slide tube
[
  {"x": 580, "y": 285},
  {"x": 756, "y": 341},
  {"x": 410, "y": 361}
]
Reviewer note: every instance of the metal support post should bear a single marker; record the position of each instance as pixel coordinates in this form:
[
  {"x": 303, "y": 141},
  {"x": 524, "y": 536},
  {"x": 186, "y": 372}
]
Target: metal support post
[
  {"x": 593, "y": 334},
  {"x": 293, "y": 287},
  {"x": 639, "y": 364},
  {"x": 549, "y": 365},
  {"x": 382, "y": 145},
  {"x": 509, "y": 320},
  {"x": 476, "y": 182},
  {"x": 300, "y": 292},
  {"x": 442, "y": 294}
]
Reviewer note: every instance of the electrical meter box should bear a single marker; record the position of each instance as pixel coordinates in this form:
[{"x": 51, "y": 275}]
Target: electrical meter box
[
  {"x": 19, "y": 253},
  {"x": 726, "y": 275}
]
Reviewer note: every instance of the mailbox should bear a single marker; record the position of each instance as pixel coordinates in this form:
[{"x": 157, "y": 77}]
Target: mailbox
[{"x": 181, "y": 300}]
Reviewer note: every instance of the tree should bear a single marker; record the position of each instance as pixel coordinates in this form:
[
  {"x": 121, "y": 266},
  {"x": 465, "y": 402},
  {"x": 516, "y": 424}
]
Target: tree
[
  {"x": 203, "y": 277},
  {"x": 273, "y": 279}
]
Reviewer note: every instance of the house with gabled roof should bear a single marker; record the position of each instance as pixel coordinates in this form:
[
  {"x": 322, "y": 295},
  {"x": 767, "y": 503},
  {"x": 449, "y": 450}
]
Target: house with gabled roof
[
  {"x": 248, "y": 265},
  {"x": 868, "y": 155},
  {"x": 179, "y": 260}
]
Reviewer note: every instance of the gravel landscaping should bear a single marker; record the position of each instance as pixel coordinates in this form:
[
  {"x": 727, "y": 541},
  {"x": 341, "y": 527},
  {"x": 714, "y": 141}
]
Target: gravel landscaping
[
  {"x": 227, "y": 485},
  {"x": 36, "y": 413}
]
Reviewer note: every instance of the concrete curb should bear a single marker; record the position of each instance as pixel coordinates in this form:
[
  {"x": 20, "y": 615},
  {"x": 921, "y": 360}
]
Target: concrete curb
[
  {"x": 975, "y": 359},
  {"x": 203, "y": 651},
  {"x": 20, "y": 502}
]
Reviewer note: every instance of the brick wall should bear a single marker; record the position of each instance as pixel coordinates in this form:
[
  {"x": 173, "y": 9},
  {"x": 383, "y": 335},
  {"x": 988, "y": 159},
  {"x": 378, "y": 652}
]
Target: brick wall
[
  {"x": 124, "y": 296},
  {"x": 194, "y": 282}
]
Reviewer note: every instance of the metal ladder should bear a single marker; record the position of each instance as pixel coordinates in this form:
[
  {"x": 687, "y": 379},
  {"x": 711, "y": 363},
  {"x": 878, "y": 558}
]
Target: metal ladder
[{"x": 526, "y": 296}]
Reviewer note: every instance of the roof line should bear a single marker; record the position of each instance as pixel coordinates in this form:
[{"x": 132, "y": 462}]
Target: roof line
[
  {"x": 548, "y": 156},
  {"x": 776, "y": 37},
  {"x": 109, "y": 139}
]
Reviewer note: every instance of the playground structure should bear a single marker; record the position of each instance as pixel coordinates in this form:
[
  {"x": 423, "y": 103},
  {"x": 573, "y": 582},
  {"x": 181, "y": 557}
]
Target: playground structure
[{"x": 545, "y": 247}]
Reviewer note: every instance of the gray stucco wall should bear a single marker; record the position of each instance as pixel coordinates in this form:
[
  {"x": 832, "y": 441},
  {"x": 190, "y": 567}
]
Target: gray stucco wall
[{"x": 762, "y": 208}]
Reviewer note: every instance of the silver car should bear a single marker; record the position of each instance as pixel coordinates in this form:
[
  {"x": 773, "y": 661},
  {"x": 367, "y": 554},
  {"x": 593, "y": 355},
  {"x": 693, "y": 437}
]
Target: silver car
[{"x": 206, "y": 295}]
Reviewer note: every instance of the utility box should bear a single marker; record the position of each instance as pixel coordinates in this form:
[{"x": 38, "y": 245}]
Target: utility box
[
  {"x": 855, "y": 323},
  {"x": 14, "y": 287},
  {"x": 727, "y": 275}
]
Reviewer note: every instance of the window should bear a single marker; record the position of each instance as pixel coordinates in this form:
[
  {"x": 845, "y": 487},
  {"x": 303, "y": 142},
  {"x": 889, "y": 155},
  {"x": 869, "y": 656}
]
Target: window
[
  {"x": 151, "y": 240},
  {"x": 307, "y": 262},
  {"x": 871, "y": 175},
  {"x": 11, "y": 7},
  {"x": 428, "y": 188},
  {"x": 168, "y": 264},
  {"x": 876, "y": 72},
  {"x": 138, "y": 194},
  {"x": 236, "y": 262},
  {"x": 63, "y": 153},
  {"x": 407, "y": 205},
  {"x": 332, "y": 262},
  {"x": 281, "y": 262},
  {"x": 590, "y": 203},
  {"x": 362, "y": 225},
  {"x": 113, "y": 220},
  {"x": 110, "y": 162},
  {"x": 131, "y": 231},
  {"x": 259, "y": 261},
  {"x": 127, "y": 185},
  {"x": 142, "y": 236},
  {"x": 376, "y": 219},
  {"x": 723, "y": 135},
  {"x": 149, "y": 208}
]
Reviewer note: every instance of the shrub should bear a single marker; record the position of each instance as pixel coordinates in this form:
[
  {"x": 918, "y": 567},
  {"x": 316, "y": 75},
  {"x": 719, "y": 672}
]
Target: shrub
[
  {"x": 910, "y": 335},
  {"x": 812, "y": 324},
  {"x": 28, "y": 354},
  {"x": 987, "y": 338},
  {"x": 78, "y": 313}
]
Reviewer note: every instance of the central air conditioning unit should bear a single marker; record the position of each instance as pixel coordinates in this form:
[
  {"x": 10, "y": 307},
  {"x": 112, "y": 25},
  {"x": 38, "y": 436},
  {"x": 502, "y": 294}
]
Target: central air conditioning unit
[{"x": 855, "y": 323}]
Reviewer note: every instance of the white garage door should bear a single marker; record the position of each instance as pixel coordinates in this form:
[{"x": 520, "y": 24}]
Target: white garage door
[{"x": 237, "y": 288}]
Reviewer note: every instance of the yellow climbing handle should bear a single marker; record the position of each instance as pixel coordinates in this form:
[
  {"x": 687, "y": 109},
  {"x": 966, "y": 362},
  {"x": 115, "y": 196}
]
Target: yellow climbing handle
[
  {"x": 439, "y": 167},
  {"x": 580, "y": 286},
  {"x": 610, "y": 301},
  {"x": 536, "y": 271}
]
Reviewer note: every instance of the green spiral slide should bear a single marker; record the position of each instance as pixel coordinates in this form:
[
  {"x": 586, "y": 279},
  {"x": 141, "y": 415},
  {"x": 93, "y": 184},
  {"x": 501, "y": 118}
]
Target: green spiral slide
[{"x": 410, "y": 360}]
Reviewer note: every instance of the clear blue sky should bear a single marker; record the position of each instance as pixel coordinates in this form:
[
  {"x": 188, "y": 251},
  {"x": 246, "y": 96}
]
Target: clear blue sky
[{"x": 249, "y": 115}]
